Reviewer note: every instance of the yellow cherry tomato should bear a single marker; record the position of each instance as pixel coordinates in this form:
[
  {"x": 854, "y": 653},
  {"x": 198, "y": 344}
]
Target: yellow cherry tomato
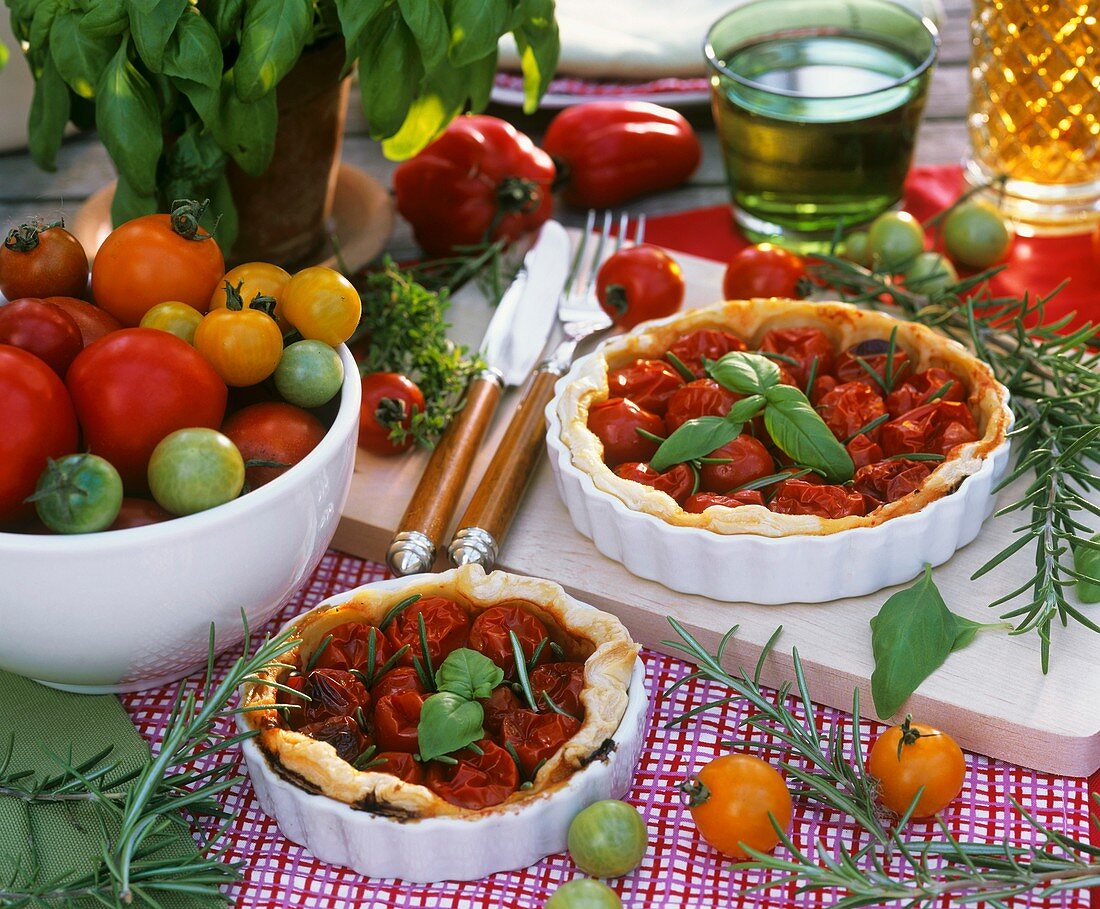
[
  {"x": 255, "y": 278},
  {"x": 242, "y": 343},
  {"x": 913, "y": 758},
  {"x": 175, "y": 317},
  {"x": 322, "y": 305}
]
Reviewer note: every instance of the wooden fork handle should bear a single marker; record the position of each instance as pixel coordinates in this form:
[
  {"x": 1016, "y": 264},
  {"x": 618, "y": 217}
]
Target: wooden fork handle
[
  {"x": 435, "y": 500},
  {"x": 494, "y": 503}
]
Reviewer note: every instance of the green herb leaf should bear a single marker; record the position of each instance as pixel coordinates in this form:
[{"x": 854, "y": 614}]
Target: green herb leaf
[
  {"x": 1086, "y": 562},
  {"x": 48, "y": 115},
  {"x": 152, "y": 29},
  {"x": 428, "y": 24},
  {"x": 798, "y": 430},
  {"x": 539, "y": 45},
  {"x": 448, "y": 722},
  {"x": 128, "y": 203},
  {"x": 194, "y": 52},
  {"x": 476, "y": 27},
  {"x": 468, "y": 674},
  {"x": 80, "y": 57},
  {"x": 390, "y": 73},
  {"x": 105, "y": 18},
  {"x": 482, "y": 78},
  {"x": 226, "y": 17},
  {"x": 246, "y": 129},
  {"x": 128, "y": 120},
  {"x": 356, "y": 18},
  {"x": 745, "y": 373},
  {"x": 694, "y": 439},
  {"x": 967, "y": 630},
  {"x": 272, "y": 38}
]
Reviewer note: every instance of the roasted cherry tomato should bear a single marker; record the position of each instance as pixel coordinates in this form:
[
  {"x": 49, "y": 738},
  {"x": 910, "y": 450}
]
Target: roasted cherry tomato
[
  {"x": 400, "y": 764},
  {"x": 648, "y": 383},
  {"x": 935, "y": 428},
  {"x": 389, "y": 400},
  {"x": 536, "y": 737},
  {"x": 912, "y": 756},
  {"x": 888, "y": 481},
  {"x": 397, "y": 681},
  {"x": 156, "y": 258},
  {"x": 616, "y": 422},
  {"x": 849, "y": 408},
  {"x": 803, "y": 346},
  {"x": 498, "y": 705},
  {"x": 677, "y": 482},
  {"x": 139, "y": 513},
  {"x": 701, "y": 501},
  {"x": 79, "y": 493},
  {"x": 919, "y": 388},
  {"x": 607, "y": 839},
  {"x": 92, "y": 321},
  {"x": 396, "y": 719},
  {"x": 342, "y": 733},
  {"x": 275, "y": 433},
  {"x": 447, "y": 626},
  {"x": 481, "y": 180},
  {"x": 41, "y": 328},
  {"x": 563, "y": 682},
  {"x": 863, "y": 451},
  {"x": 609, "y": 152},
  {"x": 797, "y": 496},
  {"x": 322, "y": 304},
  {"x": 174, "y": 317},
  {"x": 822, "y": 386},
  {"x": 253, "y": 278},
  {"x": 640, "y": 283},
  {"x": 331, "y": 692},
  {"x": 748, "y": 460},
  {"x": 731, "y": 799},
  {"x": 42, "y": 261},
  {"x": 875, "y": 353},
  {"x": 764, "y": 270},
  {"x": 699, "y": 398},
  {"x": 242, "y": 343},
  {"x": 490, "y": 635},
  {"x": 704, "y": 343},
  {"x": 477, "y": 780},
  {"x": 349, "y": 647}
]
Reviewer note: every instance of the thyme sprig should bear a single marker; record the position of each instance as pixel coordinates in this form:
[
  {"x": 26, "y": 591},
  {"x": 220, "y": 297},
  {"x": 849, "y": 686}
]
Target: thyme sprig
[{"x": 1054, "y": 383}]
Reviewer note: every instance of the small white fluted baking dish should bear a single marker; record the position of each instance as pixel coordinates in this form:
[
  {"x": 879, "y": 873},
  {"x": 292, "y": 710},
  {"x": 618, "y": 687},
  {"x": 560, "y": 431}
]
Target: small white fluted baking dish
[{"x": 434, "y": 849}]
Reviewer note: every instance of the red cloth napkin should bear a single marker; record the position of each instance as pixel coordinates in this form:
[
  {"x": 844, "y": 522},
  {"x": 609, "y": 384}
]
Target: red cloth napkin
[{"x": 1035, "y": 265}]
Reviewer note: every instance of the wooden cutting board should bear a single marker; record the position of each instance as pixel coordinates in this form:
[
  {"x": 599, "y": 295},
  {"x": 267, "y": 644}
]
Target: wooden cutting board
[{"x": 992, "y": 696}]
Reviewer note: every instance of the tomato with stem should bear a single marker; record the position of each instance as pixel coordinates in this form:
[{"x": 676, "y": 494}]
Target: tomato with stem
[
  {"x": 39, "y": 260},
  {"x": 277, "y": 434},
  {"x": 389, "y": 400},
  {"x": 913, "y": 759},
  {"x": 242, "y": 343},
  {"x": 322, "y": 304},
  {"x": 640, "y": 283}
]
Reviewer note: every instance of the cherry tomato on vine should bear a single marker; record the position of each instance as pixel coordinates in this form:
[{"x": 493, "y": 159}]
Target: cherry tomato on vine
[
  {"x": 92, "y": 321},
  {"x": 910, "y": 756},
  {"x": 242, "y": 342},
  {"x": 764, "y": 270},
  {"x": 41, "y": 328},
  {"x": 389, "y": 399},
  {"x": 309, "y": 374},
  {"x": 731, "y": 799},
  {"x": 274, "y": 432},
  {"x": 253, "y": 278},
  {"x": 608, "y": 839},
  {"x": 79, "y": 493},
  {"x": 192, "y": 470},
  {"x": 322, "y": 305},
  {"x": 640, "y": 283},
  {"x": 616, "y": 422},
  {"x": 42, "y": 261},
  {"x": 175, "y": 318}
]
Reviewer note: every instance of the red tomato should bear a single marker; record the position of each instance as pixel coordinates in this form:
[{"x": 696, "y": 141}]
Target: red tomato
[
  {"x": 640, "y": 283},
  {"x": 139, "y": 513},
  {"x": 875, "y": 353},
  {"x": 616, "y": 422},
  {"x": 342, "y": 733},
  {"x": 489, "y": 635},
  {"x": 349, "y": 648},
  {"x": 851, "y": 406},
  {"x": 134, "y": 387},
  {"x": 92, "y": 321},
  {"x": 396, "y": 718},
  {"x": 935, "y": 428},
  {"x": 888, "y": 481},
  {"x": 39, "y": 423},
  {"x": 707, "y": 343},
  {"x": 272, "y": 431},
  {"x": 154, "y": 259},
  {"x": 563, "y": 682},
  {"x": 677, "y": 482},
  {"x": 499, "y": 704},
  {"x": 41, "y": 328},
  {"x": 397, "y": 681},
  {"x": 477, "y": 780},
  {"x": 701, "y": 501},
  {"x": 863, "y": 451},
  {"x": 446, "y": 624},
  {"x": 400, "y": 764},
  {"x": 700, "y": 398},
  {"x": 536, "y": 737},
  {"x": 42, "y": 262},
  {"x": 480, "y": 180},
  {"x": 822, "y": 386},
  {"x": 389, "y": 400},
  {"x": 799, "y": 497},
  {"x": 608, "y": 152},
  {"x": 764, "y": 270},
  {"x": 648, "y": 383},
  {"x": 917, "y": 389},
  {"x": 748, "y": 460},
  {"x": 803, "y": 345},
  {"x": 332, "y": 692}
]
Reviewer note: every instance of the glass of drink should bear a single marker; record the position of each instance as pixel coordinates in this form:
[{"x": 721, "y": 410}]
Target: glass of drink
[
  {"x": 1035, "y": 110},
  {"x": 817, "y": 104}
]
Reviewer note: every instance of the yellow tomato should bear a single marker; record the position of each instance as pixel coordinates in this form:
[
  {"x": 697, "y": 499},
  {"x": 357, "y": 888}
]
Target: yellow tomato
[
  {"x": 244, "y": 345},
  {"x": 913, "y": 758},
  {"x": 177, "y": 318},
  {"x": 255, "y": 278},
  {"x": 322, "y": 305}
]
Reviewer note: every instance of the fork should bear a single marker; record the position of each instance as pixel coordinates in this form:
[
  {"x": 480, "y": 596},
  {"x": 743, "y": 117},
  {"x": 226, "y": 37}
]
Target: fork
[{"x": 497, "y": 497}]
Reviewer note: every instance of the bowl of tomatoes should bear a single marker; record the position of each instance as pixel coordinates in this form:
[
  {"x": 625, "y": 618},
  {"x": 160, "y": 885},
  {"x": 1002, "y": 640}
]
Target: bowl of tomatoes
[{"x": 173, "y": 470}]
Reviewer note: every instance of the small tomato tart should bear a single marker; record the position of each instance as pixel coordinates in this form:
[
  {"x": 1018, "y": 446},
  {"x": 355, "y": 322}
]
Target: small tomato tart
[{"x": 413, "y": 703}]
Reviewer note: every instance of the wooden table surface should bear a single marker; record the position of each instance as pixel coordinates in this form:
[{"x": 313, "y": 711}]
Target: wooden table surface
[{"x": 83, "y": 164}]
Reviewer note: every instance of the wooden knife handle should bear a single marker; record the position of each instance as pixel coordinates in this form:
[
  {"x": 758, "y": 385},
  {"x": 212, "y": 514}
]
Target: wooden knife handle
[
  {"x": 499, "y": 493},
  {"x": 435, "y": 500}
]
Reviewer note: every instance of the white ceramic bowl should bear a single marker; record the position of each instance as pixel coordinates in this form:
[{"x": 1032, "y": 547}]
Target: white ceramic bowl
[
  {"x": 446, "y": 848},
  {"x": 130, "y": 609},
  {"x": 771, "y": 570}
]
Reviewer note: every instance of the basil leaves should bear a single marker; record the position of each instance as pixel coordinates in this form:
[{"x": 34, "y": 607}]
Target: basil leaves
[
  {"x": 451, "y": 718},
  {"x": 699, "y": 437},
  {"x": 745, "y": 373},
  {"x": 799, "y": 431}
]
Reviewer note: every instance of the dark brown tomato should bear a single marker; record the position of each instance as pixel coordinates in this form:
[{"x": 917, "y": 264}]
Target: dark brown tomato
[
  {"x": 677, "y": 482},
  {"x": 648, "y": 383},
  {"x": 704, "y": 343},
  {"x": 748, "y": 460},
  {"x": 477, "y": 780},
  {"x": 850, "y": 407},
  {"x": 42, "y": 262},
  {"x": 332, "y": 693},
  {"x": 888, "y": 481},
  {"x": 490, "y": 635},
  {"x": 875, "y": 354},
  {"x": 536, "y": 737},
  {"x": 400, "y": 764},
  {"x": 498, "y": 705},
  {"x": 563, "y": 682},
  {"x": 616, "y": 422},
  {"x": 395, "y": 722},
  {"x": 803, "y": 345},
  {"x": 446, "y": 625},
  {"x": 349, "y": 648},
  {"x": 701, "y": 501},
  {"x": 700, "y": 398},
  {"x": 342, "y": 733},
  {"x": 824, "y": 501},
  {"x": 918, "y": 388},
  {"x": 397, "y": 681},
  {"x": 934, "y": 428}
]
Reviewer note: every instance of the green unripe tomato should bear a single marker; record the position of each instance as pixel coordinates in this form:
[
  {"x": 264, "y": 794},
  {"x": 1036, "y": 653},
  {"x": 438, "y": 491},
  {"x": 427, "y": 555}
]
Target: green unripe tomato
[
  {"x": 1087, "y": 562},
  {"x": 309, "y": 373},
  {"x": 895, "y": 239},
  {"x": 857, "y": 248},
  {"x": 195, "y": 469},
  {"x": 607, "y": 839},
  {"x": 930, "y": 274},
  {"x": 79, "y": 493},
  {"x": 975, "y": 234},
  {"x": 583, "y": 893}
]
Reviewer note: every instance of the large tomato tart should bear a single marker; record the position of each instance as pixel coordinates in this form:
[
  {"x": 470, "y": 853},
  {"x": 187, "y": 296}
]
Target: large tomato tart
[{"x": 519, "y": 688}]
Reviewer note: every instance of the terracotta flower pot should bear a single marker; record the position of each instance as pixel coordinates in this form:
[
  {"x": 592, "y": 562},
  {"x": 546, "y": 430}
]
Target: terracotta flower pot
[{"x": 284, "y": 212}]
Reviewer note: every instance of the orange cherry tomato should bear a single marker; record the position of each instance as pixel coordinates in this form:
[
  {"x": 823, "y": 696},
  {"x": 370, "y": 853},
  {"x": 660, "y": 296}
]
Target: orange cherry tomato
[
  {"x": 322, "y": 305},
  {"x": 243, "y": 344},
  {"x": 908, "y": 757},
  {"x": 730, "y": 800},
  {"x": 255, "y": 278},
  {"x": 157, "y": 258}
]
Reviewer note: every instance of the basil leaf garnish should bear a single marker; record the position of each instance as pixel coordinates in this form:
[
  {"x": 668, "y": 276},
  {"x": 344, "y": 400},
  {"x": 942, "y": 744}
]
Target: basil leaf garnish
[
  {"x": 468, "y": 674},
  {"x": 694, "y": 439},
  {"x": 448, "y": 722},
  {"x": 800, "y": 432},
  {"x": 745, "y": 373}
]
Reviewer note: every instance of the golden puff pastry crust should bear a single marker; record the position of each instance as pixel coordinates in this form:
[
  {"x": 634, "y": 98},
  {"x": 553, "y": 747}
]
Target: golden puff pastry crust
[
  {"x": 584, "y": 633},
  {"x": 749, "y": 320}
]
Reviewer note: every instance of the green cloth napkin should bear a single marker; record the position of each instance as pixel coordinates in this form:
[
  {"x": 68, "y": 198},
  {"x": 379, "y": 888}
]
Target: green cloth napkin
[{"x": 64, "y": 839}]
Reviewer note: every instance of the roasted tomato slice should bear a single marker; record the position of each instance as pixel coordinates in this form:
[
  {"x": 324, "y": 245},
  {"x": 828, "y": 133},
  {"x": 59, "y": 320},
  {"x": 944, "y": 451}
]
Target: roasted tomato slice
[
  {"x": 799, "y": 497},
  {"x": 705, "y": 343},
  {"x": 331, "y": 692},
  {"x": 616, "y": 422},
  {"x": 701, "y": 398},
  {"x": 536, "y": 737},
  {"x": 489, "y": 635},
  {"x": 748, "y": 460},
  {"x": 888, "y": 481},
  {"x": 863, "y": 451},
  {"x": 803, "y": 346},
  {"x": 648, "y": 383},
  {"x": 701, "y": 501},
  {"x": 397, "y": 681},
  {"x": 498, "y": 705},
  {"x": 342, "y": 733},
  {"x": 446, "y": 625},
  {"x": 477, "y": 780},
  {"x": 876, "y": 354},
  {"x": 677, "y": 481},
  {"x": 850, "y": 407},
  {"x": 349, "y": 648},
  {"x": 400, "y": 764},
  {"x": 563, "y": 682},
  {"x": 936, "y": 428},
  {"x": 396, "y": 718},
  {"x": 917, "y": 389}
]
